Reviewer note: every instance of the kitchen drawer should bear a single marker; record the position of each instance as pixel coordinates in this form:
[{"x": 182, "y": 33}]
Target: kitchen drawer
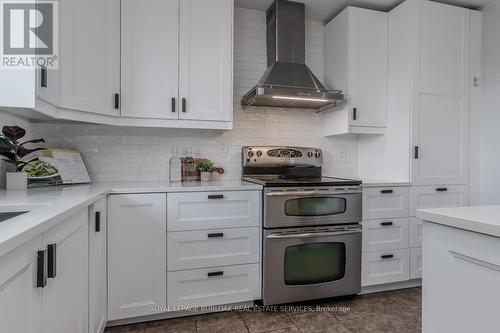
[
  {"x": 209, "y": 248},
  {"x": 378, "y": 270},
  {"x": 416, "y": 263},
  {"x": 383, "y": 202},
  {"x": 213, "y": 286},
  {"x": 212, "y": 210},
  {"x": 416, "y": 227},
  {"x": 438, "y": 197},
  {"x": 385, "y": 234}
]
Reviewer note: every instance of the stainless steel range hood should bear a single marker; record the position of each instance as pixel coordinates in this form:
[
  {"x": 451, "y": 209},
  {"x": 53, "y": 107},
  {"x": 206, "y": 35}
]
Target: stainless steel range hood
[{"x": 288, "y": 82}]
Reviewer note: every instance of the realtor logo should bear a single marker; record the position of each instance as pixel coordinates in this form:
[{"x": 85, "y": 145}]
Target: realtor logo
[{"x": 29, "y": 36}]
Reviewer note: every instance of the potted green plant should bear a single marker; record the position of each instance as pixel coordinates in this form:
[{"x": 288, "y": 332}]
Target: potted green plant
[
  {"x": 206, "y": 169},
  {"x": 14, "y": 153}
]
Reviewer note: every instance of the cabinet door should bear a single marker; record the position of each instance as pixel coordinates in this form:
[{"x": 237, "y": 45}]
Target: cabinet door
[
  {"x": 149, "y": 58},
  {"x": 20, "y": 300},
  {"x": 441, "y": 97},
  {"x": 98, "y": 267},
  {"x": 65, "y": 298},
  {"x": 206, "y": 62},
  {"x": 438, "y": 197},
  {"x": 367, "y": 67},
  {"x": 90, "y": 55},
  {"x": 137, "y": 263},
  {"x": 385, "y": 267}
]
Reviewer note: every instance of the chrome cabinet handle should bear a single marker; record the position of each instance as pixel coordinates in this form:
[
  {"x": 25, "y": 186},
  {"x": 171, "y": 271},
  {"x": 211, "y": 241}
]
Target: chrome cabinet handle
[
  {"x": 302, "y": 193},
  {"x": 313, "y": 234}
]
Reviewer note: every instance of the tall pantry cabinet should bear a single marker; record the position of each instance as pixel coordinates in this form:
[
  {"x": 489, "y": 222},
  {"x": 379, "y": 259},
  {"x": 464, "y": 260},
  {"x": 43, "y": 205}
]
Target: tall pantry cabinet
[{"x": 429, "y": 86}]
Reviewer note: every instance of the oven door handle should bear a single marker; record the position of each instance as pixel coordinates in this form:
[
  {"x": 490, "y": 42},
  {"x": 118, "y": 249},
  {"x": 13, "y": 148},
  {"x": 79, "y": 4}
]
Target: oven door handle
[
  {"x": 307, "y": 193},
  {"x": 313, "y": 234}
]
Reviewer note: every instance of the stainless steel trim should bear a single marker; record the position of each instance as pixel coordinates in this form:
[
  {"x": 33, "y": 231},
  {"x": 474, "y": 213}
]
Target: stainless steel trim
[
  {"x": 312, "y": 234},
  {"x": 309, "y": 193}
]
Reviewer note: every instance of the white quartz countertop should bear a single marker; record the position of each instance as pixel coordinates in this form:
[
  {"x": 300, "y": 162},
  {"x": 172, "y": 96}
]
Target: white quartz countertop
[
  {"x": 385, "y": 182},
  {"x": 481, "y": 219},
  {"x": 50, "y": 205}
]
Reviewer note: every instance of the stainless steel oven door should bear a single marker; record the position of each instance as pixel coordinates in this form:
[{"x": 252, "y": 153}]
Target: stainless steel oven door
[
  {"x": 288, "y": 207},
  {"x": 302, "y": 264}
]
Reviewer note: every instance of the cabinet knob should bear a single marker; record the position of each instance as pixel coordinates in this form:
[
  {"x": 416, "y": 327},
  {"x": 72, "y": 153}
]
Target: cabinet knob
[
  {"x": 173, "y": 104},
  {"x": 354, "y": 113},
  {"x": 387, "y": 256},
  {"x": 385, "y": 224},
  {"x": 41, "y": 269},
  {"x": 442, "y": 189},
  {"x": 184, "y": 105},
  {"x": 219, "y": 273},
  {"x": 216, "y": 235},
  {"x": 97, "y": 221},
  {"x": 386, "y": 191},
  {"x": 215, "y": 196}
]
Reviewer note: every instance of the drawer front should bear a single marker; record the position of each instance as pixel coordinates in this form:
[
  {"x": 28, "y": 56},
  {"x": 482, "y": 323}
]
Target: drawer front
[
  {"x": 416, "y": 263},
  {"x": 210, "y": 248},
  {"x": 213, "y": 286},
  {"x": 438, "y": 197},
  {"x": 379, "y": 268},
  {"x": 385, "y": 234},
  {"x": 211, "y": 210},
  {"x": 383, "y": 202},
  {"x": 416, "y": 228}
]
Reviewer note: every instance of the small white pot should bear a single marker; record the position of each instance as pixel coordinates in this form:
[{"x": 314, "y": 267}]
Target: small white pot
[
  {"x": 16, "y": 181},
  {"x": 206, "y": 176}
]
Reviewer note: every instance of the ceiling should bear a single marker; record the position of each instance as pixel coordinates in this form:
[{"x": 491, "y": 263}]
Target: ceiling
[{"x": 325, "y": 10}]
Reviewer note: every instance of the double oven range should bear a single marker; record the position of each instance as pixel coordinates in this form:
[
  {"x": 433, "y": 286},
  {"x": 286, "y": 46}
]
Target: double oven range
[{"x": 311, "y": 225}]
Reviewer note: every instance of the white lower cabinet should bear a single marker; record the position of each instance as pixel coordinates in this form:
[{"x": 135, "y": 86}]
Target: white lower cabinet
[
  {"x": 98, "y": 272},
  {"x": 385, "y": 234},
  {"x": 438, "y": 196},
  {"x": 209, "y": 248},
  {"x": 385, "y": 267},
  {"x": 213, "y": 286},
  {"x": 65, "y": 297},
  {"x": 416, "y": 263},
  {"x": 209, "y": 210},
  {"x": 137, "y": 262},
  {"x": 416, "y": 228},
  {"x": 20, "y": 299},
  {"x": 383, "y": 202}
]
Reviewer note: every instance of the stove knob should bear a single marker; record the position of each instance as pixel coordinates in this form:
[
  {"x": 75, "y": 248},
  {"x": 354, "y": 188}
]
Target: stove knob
[
  {"x": 259, "y": 153},
  {"x": 317, "y": 155},
  {"x": 310, "y": 154},
  {"x": 250, "y": 154}
]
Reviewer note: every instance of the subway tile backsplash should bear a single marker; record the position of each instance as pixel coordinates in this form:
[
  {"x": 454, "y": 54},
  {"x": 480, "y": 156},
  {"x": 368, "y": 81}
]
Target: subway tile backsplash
[{"x": 142, "y": 154}]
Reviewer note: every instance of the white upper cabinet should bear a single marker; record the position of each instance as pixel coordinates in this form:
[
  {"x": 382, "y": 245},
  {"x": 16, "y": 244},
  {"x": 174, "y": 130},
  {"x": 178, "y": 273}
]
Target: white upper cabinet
[
  {"x": 149, "y": 58},
  {"x": 356, "y": 63},
  {"x": 88, "y": 76},
  {"x": 441, "y": 94},
  {"x": 90, "y": 51},
  {"x": 206, "y": 48}
]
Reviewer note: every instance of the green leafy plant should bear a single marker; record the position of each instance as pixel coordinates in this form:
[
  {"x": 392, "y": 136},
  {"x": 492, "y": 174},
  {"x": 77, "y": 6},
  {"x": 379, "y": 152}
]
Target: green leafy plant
[
  {"x": 208, "y": 166},
  {"x": 13, "y": 150}
]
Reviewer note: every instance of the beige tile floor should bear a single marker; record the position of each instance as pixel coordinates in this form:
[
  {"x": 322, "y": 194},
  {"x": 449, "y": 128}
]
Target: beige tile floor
[{"x": 387, "y": 312}]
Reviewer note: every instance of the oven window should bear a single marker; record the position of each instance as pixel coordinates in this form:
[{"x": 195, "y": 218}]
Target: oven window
[
  {"x": 314, "y": 263},
  {"x": 317, "y": 206}
]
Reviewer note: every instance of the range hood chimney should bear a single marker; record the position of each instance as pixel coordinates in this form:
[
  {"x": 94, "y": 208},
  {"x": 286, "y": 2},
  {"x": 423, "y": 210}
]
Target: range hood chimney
[{"x": 288, "y": 82}]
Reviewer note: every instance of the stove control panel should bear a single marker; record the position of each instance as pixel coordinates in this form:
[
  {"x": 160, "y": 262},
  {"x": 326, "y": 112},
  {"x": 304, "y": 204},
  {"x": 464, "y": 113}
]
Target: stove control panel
[{"x": 276, "y": 156}]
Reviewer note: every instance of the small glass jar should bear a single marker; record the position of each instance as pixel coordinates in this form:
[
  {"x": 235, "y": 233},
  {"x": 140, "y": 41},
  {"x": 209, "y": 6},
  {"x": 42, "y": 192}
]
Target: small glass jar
[{"x": 175, "y": 166}]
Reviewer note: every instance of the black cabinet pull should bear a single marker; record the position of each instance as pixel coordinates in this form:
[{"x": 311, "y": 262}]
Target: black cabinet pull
[
  {"x": 384, "y": 224},
  {"x": 51, "y": 261},
  {"x": 173, "y": 104},
  {"x": 41, "y": 269},
  {"x": 219, "y": 273},
  {"x": 117, "y": 101},
  {"x": 387, "y": 256},
  {"x": 354, "y": 113},
  {"x": 415, "y": 152},
  {"x": 43, "y": 77},
  {"x": 216, "y": 196},
  {"x": 442, "y": 189},
  {"x": 184, "y": 102},
  {"x": 216, "y": 235},
  {"x": 387, "y": 191},
  {"x": 97, "y": 221}
]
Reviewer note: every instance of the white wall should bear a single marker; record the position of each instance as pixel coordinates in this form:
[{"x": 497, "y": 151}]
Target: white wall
[
  {"x": 117, "y": 154},
  {"x": 487, "y": 176}
]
